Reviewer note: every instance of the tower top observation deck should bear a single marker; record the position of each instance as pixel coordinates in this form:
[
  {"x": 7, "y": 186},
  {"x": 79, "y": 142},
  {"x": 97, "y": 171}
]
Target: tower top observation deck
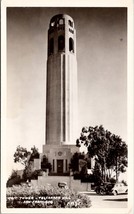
[
  {"x": 61, "y": 19},
  {"x": 61, "y": 35}
]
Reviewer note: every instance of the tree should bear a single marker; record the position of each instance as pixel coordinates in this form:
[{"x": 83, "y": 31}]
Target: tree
[
  {"x": 117, "y": 159},
  {"x": 79, "y": 163},
  {"x": 97, "y": 174},
  {"x": 21, "y": 155},
  {"x": 74, "y": 162},
  {"x": 34, "y": 153},
  {"x": 28, "y": 171},
  {"x": 109, "y": 151},
  {"x": 25, "y": 157}
]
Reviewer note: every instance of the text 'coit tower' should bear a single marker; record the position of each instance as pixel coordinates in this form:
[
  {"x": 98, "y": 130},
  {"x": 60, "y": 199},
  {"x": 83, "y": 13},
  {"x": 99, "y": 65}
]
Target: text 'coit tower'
[{"x": 61, "y": 101}]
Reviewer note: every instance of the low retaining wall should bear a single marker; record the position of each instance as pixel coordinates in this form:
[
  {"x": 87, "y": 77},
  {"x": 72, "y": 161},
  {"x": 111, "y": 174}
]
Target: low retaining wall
[{"x": 77, "y": 185}]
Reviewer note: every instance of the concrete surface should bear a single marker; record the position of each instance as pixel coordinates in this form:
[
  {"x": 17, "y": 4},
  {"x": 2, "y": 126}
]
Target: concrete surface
[{"x": 107, "y": 201}]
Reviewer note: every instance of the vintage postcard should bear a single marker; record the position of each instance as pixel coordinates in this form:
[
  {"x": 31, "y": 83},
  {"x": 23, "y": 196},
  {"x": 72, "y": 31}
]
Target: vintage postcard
[{"x": 67, "y": 107}]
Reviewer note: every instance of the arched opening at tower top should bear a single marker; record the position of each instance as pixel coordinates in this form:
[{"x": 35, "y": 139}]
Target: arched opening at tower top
[
  {"x": 71, "y": 45},
  {"x": 61, "y": 21},
  {"x": 51, "y": 46},
  {"x": 70, "y": 23},
  {"x": 52, "y": 24},
  {"x": 61, "y": 43}
]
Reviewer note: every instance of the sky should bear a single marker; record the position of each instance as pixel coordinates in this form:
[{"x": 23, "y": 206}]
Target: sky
[{"x": 101, "y": 50}]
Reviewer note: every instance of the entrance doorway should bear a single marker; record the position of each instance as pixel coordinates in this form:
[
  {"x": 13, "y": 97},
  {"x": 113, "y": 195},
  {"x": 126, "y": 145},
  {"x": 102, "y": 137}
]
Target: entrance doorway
[{"x": 59, "y": 166}]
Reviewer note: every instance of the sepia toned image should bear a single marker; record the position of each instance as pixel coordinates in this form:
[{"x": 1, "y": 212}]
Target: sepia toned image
[{"x": 66, "y": 108}]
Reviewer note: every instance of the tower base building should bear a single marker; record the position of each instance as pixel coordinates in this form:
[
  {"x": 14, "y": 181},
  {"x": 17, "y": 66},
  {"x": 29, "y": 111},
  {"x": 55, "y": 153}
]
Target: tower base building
[{"x": 59, "y": 157}]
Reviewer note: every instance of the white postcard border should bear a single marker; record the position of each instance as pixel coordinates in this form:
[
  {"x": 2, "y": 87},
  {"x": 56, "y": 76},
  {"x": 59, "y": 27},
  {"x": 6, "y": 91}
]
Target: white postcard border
[{"x": 69, "y": 3}]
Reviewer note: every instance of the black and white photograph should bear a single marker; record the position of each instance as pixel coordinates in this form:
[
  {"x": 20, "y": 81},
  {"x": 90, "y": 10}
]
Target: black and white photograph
[{"x": 67, "y": 132}]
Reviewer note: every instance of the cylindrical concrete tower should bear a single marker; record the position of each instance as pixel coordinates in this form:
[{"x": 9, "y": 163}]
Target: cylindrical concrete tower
[{"x": 61, "y": 101}]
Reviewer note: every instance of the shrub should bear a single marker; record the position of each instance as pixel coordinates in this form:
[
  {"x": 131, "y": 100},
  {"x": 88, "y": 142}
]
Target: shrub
[
  {"x": 24, "y": 196},
  {"x": 112, "y": 180},
  {"x": 36, "y": 173},
  {"x": 84, "y": 178},
  {"x": 45, "y": 164},
  {"x": 77, "y": 176},
  {"x": 87, "y": 178},
  {"x": 13, "y": 181}
]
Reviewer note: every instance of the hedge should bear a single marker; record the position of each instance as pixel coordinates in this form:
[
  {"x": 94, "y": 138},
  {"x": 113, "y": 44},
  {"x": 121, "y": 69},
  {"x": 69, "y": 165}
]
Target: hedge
[{"x": 25, "y": 196}]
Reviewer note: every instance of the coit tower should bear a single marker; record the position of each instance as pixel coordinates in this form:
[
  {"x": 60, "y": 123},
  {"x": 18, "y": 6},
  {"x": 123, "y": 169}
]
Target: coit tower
[
  {"x": 61, "y": 100},
  {"x": 61, "y": 95}
]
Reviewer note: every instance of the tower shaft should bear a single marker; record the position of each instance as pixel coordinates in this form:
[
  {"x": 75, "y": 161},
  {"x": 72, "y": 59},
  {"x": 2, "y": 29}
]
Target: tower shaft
[{"x": 61, "y": 105}]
